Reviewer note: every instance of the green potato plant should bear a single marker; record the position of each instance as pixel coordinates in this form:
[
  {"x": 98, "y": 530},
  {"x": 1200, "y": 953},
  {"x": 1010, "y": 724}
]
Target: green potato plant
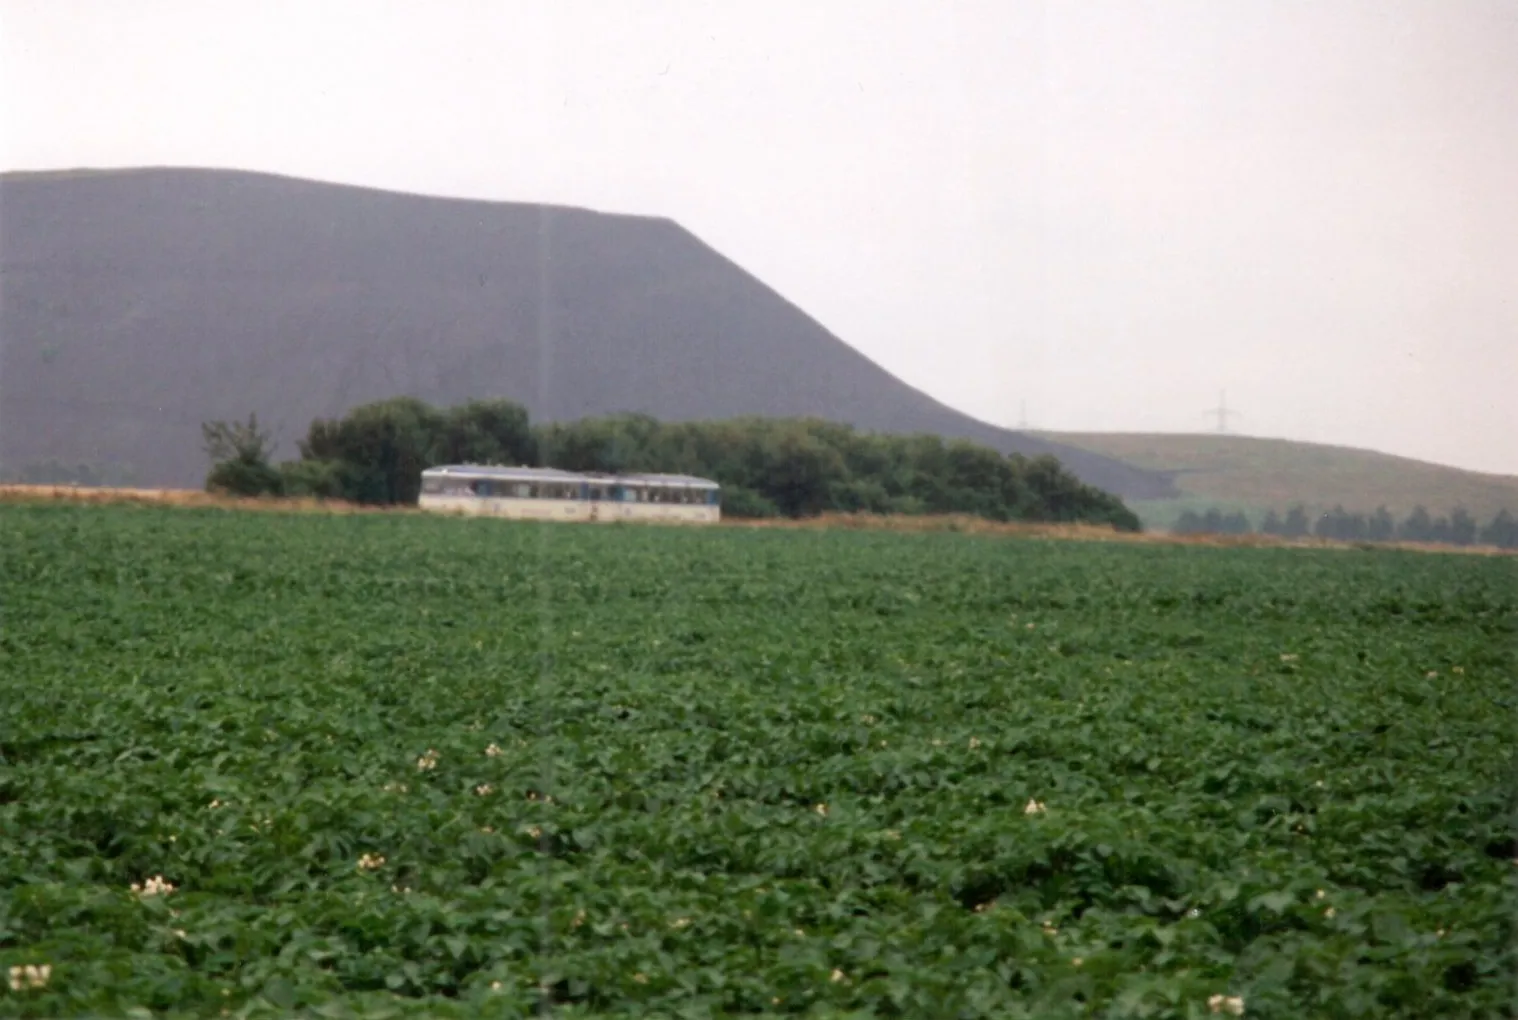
[{"x": 264, "y": 764}]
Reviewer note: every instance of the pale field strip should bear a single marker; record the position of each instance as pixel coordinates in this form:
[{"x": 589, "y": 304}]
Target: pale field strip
[{"x": 957, "y": 523}]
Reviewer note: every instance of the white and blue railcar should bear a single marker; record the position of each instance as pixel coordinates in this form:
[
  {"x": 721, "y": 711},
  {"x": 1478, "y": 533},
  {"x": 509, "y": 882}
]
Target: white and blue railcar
[{"x": 548, "y": 494}]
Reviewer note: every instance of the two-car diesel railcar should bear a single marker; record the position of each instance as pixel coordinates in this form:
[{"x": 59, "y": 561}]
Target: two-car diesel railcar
[{"x": 551, "y": 494}]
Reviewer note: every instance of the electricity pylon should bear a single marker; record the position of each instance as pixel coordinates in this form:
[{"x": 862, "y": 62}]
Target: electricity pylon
[{"x": 1222, "y": 412}]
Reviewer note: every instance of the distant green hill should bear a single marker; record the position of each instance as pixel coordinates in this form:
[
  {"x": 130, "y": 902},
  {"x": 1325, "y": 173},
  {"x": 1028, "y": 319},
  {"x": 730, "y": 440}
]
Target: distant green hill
[{"x": 1257, "y": 475}]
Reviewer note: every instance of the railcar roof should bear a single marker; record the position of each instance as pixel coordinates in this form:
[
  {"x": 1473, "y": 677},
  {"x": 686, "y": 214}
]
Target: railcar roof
[
  {"x": 691, "y": 480},
  {"x": 530, "y": 474},
  {"x": 497, "y": 471}
]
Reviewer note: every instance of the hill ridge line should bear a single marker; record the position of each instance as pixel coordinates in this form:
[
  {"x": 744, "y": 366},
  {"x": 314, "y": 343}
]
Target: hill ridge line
[
  {"x": 1073, "y": 438},
  {"x": 272, "y": 176}
]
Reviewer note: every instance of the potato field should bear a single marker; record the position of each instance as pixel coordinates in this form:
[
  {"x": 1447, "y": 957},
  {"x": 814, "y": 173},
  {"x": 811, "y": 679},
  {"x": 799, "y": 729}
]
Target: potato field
[{"x": 270, "y": 764}]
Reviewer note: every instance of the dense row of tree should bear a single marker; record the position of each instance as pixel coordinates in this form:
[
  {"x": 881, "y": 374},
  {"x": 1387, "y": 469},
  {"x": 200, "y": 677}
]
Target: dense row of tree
[
  {"x": 1459, "y": 528},
  {"x": 1213, "y": 522},
  {"x": 767, "y": 467}
]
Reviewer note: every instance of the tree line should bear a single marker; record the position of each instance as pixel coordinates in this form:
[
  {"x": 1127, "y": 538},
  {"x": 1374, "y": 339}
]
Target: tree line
[
  {"x": 1457, "y": 528},
  {"x": 767, "y": 467}
]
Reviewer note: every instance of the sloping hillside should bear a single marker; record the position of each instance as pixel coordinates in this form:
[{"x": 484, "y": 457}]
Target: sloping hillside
[
  {"x": 1273, "y": 474},
  {"x": 136, "y": 304}
]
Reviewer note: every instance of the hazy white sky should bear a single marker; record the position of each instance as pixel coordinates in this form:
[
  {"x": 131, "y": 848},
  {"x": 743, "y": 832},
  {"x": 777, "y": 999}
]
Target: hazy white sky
[{"x": 1109, "y": 209}]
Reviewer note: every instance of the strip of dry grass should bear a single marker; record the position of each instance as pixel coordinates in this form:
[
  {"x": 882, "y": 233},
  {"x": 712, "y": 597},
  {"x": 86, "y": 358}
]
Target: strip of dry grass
[
  {"x": 1092, "y": 533},
  {"x": 179, "y": 498},
  {"x": 956, "y": 523}
]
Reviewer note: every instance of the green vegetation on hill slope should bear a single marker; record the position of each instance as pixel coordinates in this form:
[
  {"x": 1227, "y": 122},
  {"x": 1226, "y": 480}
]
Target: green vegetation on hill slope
[
  {"x": 413, "y": 766},
  {"x": 1257, "y": 475}
]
